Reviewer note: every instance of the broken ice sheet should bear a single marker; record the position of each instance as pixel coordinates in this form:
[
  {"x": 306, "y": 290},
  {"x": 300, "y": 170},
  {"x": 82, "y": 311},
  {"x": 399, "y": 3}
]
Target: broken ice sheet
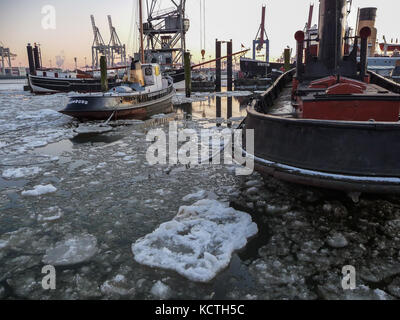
[
  {"x": 199, "y": 242},
  {"x": 72, "y": 251}
]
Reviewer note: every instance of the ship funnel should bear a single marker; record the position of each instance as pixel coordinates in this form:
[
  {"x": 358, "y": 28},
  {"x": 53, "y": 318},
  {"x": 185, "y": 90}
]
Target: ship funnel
[
  {"x": 367, "y": 18},
  {"x": 36, "y": 55},
  {"x": 31, "y": 61},
  {"x": 332, "y": 22}
]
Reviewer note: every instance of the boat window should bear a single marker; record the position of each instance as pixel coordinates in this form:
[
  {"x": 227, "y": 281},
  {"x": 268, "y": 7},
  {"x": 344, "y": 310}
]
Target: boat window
[{"x": 148, "y": 71}]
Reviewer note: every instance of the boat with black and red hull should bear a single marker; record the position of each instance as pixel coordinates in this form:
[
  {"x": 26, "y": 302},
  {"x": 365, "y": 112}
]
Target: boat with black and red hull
[
  {"x": 146, "y": 93},
  {"x": 329, "y": 123}
]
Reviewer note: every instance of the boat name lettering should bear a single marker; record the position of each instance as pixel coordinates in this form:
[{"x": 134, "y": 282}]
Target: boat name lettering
[{"x": 79, "y": 102}]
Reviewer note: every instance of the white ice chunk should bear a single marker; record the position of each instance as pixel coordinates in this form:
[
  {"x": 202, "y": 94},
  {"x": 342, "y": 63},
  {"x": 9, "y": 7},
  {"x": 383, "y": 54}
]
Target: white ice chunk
[
  {"x": 120, "y": 155},
  {"x": 72, "y": 251},
  {"x": 337, "y": 241},
  {"x": 39, "y": 190},
  {"x": 160, "y": 290},
  {"x": 17, "y": 173},
  {"x": 86, "y": 129},
  {"x": 3, "y": 244},
  {"x": 202, "y": 194},
  {"x": 198, "y": 242},
  {"x": 56, "y": 214}
]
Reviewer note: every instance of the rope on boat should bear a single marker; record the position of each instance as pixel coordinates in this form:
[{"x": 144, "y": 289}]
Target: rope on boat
[{"x": 109, "y": 119}]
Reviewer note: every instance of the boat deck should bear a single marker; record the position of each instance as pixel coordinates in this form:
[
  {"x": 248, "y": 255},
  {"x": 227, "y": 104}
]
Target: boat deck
[{"x": 283, "y": 105}]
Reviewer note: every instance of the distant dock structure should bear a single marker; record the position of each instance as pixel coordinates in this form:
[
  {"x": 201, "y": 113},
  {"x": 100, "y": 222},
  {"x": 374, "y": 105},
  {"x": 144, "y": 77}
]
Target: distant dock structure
[
  {"x": 7, "y": 71},
  {"x": 114, "y": 51}
]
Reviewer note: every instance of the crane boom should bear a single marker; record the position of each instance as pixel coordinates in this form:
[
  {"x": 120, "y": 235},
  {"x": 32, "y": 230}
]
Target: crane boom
[
  {"x": 262, "y": 29},
  {"x": 94, "y": 26},
  {"x": 110, "y": 24}
]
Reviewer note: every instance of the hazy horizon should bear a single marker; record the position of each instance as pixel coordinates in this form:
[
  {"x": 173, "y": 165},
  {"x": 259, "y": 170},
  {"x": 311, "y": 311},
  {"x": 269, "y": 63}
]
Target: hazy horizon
[{"x": 20, "y": 23}]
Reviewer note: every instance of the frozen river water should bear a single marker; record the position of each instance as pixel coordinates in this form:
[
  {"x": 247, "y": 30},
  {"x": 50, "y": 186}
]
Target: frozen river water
[{"x": 85, "y": 203}]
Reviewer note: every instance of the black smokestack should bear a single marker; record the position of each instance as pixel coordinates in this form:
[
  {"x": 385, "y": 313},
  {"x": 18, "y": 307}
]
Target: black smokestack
[
  {"x": 30, "y": 59},
  {"x": 332, "y": 17},
  {"x": 36, "y": 56}
]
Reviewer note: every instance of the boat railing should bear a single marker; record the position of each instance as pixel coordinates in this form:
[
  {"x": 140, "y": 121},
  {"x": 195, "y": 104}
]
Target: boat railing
[
  {"x": 384, "y": 82},
  {"x": 267, "y": 98}
]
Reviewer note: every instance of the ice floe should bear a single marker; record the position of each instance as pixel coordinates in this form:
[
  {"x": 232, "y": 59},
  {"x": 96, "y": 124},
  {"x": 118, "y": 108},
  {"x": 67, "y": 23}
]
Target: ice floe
[
  {"x": 52, "y": 214},
  {"x": 16, "y": 173},
  {"x": 39, "y": 190},
  {"x": 72, "y": 251},
  {"x": 116, "y": 286},
  {"x": 337, "y": 241},
  {"x": 93, "y": 129},
  {"x": 160, "y": 290},
  {"x": 198, "y": 242},
  {"x": 202, "y": 194}
]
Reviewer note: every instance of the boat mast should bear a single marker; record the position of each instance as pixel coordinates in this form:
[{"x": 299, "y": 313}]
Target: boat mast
[{"x": 141, "y": 32}]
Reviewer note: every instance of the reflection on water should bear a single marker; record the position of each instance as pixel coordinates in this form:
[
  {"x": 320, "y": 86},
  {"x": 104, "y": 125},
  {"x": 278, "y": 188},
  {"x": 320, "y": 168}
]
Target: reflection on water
[
  {"x": 95, "y": 138},
  {"x": 216, "y": 107}
]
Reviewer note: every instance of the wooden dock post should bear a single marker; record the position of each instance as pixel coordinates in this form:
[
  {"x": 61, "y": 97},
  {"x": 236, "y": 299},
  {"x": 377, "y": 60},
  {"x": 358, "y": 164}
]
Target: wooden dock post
[
  {"x": 188, "y": 75},
  {"x": 103, "y": 68},
  {"x": 229, "y": 65},
  {"x": 218, "y": 74},
  {"x": 287, "y": 59}
]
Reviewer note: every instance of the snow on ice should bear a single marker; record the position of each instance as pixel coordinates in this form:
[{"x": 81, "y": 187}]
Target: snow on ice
[
  {"x": 39, "y": 190},
  {"x": 17, "y": 173},
  {"x": 198, "y": 242}
]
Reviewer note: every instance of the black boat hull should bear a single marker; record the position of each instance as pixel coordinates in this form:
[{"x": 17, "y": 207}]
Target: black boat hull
[
  {"x": 56, "y": 85},
  {"x": 349, "y": 156},
  {"x": 103, "y": 107}
]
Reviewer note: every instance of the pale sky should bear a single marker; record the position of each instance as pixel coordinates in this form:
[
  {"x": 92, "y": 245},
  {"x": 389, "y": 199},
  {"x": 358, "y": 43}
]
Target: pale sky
[{"x": 21, "y": 22}]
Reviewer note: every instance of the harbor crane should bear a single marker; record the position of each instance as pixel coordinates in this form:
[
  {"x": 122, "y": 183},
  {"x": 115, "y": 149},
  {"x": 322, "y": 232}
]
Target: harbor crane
[
  {"x": 261, "y": 39},
  {"x": 5, "y": 57},
  {"x": 99, "y": 47},
  {"x": 165, "y": 32},
  {"x": 116, "y": 48}
]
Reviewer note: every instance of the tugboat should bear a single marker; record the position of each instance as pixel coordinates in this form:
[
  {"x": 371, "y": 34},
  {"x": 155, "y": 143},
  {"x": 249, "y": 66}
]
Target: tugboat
[
  {"x": 146, "y": 93},
  {"x": 337, "y": 127}
]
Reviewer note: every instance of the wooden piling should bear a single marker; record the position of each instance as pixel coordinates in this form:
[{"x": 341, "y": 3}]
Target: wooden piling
[
  {"x": 218, "y": 74},
  {"x": 188, "y": 75},
  {"x": 229, "y": 65},
  {"x": 287, "y": 59},
  {"x": 103, "y": 70}
]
